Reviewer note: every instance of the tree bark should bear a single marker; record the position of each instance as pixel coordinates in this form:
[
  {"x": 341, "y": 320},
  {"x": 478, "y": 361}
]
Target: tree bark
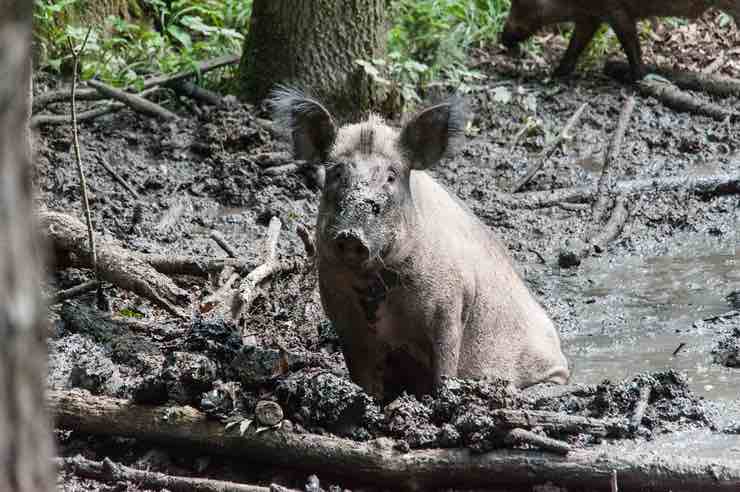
[
  {"x": 25, "y": 434},
  {"x": 313, "y": 45}
]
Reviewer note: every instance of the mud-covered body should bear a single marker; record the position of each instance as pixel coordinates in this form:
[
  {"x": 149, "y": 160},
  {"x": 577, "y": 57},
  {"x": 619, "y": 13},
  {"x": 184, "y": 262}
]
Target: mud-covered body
[
  {"x": 415, "y": 285},
  {"x": 450, "y": 284},
  {"x": 528, "y": 16}
]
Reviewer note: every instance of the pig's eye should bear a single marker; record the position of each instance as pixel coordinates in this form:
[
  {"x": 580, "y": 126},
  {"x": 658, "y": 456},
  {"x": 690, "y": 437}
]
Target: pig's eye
[{"x": 392, "y": 176}]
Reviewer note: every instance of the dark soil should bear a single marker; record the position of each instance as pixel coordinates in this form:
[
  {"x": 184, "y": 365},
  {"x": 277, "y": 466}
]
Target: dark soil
[{"x": 203, "y": 173}]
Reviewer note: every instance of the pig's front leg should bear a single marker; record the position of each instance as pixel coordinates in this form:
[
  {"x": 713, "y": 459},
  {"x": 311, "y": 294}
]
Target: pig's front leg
[
  {"x": 448, "y": 328},
  {"x": 582, "y": 35},
  {"x": 626, "y": 30}
]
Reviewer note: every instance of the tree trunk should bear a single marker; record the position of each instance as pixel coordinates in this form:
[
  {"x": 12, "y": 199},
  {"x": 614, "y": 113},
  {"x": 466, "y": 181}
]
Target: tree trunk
[
  {"x": 25, "y": 435},
  {"x": 314, "y": 45}
]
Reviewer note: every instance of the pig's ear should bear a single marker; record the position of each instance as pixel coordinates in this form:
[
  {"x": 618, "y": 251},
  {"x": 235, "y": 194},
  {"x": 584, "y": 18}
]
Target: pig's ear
[
  {"x": 308, "y": 122},
  {"x": 430, "y": 134}
]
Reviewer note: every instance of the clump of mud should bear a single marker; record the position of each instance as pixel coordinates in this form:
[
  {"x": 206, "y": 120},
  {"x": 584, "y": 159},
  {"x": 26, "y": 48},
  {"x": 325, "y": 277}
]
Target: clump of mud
[{"x": 727, "y": 351}]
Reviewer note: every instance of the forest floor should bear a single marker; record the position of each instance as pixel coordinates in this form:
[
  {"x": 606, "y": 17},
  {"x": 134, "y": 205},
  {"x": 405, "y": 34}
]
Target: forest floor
[{"x": 664, "y": 281}]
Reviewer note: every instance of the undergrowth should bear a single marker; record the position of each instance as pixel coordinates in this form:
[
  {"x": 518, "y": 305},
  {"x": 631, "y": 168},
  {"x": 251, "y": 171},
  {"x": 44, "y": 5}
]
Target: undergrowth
[{"x": 157, "y": 37}]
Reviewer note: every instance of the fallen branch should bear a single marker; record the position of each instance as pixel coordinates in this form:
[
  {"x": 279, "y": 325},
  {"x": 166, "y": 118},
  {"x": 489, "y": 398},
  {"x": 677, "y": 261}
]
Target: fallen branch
[
  {"x": 306, "y": 239},
  {"x": 617, "y": 219},
  {"x": 137, "y": 103},
  {"x": 189, "y": 89},
  {"x": 221, "y": 241},
  {"x": 73, "y": 292},
  {"x": 58, "y": 119},
  {"x": 62, "y": 95},
  {"x": 248, "y": 292},
  {"x": 108, "y": 471},
  {"x": 674, "y": 98},
  {"x": 564, "y": 135},
  {"x": 712, "y": 185},
  {"x": 610, "y": 168},
  {"x": 703, "y": 81},
  {"x": 378, "y": 463},
  {"x": 518, "y": 437},
  {"x": 189, "y": 265},
  {"x": 115, "y": 264},
  {"x": 118, "y": 178}
]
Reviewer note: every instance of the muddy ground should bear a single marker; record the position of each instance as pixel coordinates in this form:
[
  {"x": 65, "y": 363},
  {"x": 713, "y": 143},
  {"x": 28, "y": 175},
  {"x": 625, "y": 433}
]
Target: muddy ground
[{"x": 202, "y": 173}]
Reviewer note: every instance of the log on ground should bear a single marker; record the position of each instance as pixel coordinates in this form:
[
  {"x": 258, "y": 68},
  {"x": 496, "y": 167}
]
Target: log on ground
[{"x": 378, "y": 463}]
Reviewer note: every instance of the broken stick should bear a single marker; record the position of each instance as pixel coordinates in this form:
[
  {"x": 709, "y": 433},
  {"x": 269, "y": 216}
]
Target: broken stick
[
  {"x": 564, "y": 135},
  {"x": 518, "y": 437},
  {"x": 133, "y": 101}
]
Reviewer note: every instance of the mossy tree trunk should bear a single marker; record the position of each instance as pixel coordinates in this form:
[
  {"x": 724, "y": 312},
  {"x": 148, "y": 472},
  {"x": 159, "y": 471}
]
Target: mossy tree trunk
[
  {"x": 314, "y": 45},
  {"x": 25, "y": 432}
]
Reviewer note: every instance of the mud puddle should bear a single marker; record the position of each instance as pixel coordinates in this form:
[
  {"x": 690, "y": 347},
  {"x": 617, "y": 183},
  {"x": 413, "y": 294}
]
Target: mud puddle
[{"x": 637, "y": 311}]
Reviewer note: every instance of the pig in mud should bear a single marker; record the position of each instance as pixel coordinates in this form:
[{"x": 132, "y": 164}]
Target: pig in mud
[
  {"x": 528, "y": 16},
  {"x": 415, "y": 285}
]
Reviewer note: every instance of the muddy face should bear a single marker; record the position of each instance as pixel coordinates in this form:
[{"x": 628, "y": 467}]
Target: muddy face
[{"x": 361, "y": 205}]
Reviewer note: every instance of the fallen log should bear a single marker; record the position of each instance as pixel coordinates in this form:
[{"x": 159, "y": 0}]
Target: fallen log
[
  {"x": 115, "y": 264},
  {"x": 721, "y": 184},
  {"x": 108, "y": 471},
  {"x": 189, "y": 89},
  {"x": 555, "y": 423},
  {"x": 378, "y": 463}
]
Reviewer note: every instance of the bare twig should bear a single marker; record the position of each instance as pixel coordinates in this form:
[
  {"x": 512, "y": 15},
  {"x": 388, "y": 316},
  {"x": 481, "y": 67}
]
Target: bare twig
[
  {"x": 133, "y": 101},
  {"x": 619, "y": 215},
  {"x": 611, "y": 156},
  {"x": 81, "y": 173},
  {"x": 221, "y": 241},
  {"x": 678, "y": 349},
  {"x": 73, "y": 292},
  {"x": 108, "y": 471},
  {"x": 103, "y": 162},
  {"x": 518, "y": 437},
  {"x": 564, "y": 135}
]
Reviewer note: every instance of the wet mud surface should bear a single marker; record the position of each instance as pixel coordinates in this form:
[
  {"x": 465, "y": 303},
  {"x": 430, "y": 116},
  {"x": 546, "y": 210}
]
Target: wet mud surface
[{"x": 667, "y": 281}]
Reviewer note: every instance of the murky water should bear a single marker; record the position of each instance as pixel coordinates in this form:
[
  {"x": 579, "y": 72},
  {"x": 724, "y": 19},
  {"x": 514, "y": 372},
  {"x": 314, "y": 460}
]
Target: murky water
[{"x": 640, "y": 310}]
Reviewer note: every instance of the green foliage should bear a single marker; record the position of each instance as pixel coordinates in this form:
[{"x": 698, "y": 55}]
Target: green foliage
[
  {"x": 430, "y": 40},
  {"x": 121, "y": 52}
]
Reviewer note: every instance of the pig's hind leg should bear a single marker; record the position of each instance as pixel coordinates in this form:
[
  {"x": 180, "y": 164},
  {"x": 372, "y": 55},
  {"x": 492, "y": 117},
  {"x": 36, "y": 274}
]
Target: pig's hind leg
[{"x": 582, "y": 34}]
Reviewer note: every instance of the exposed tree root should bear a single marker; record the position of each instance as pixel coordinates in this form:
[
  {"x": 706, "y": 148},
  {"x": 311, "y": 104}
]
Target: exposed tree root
[
  {"x": 73, "y": 292},
  {"x": 108, "y": 471},
  {"x": 378, "y": 463},
  {"x": 115, "y": 264}
]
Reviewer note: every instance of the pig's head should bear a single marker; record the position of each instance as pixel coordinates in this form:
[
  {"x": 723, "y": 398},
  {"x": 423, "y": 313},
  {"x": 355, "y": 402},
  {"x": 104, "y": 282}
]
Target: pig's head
[
  {"x": 523, "y": 21},
  {"x": 366, "y": 209}
]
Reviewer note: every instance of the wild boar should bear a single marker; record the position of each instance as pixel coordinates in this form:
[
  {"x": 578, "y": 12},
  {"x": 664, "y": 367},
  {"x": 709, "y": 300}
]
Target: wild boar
[
  {"x": 528, "y": 16},
  {"x": 415, "y": 285}
]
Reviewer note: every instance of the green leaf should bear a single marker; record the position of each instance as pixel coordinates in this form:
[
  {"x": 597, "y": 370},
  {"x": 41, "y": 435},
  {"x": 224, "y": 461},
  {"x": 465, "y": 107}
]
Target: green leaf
[{"x": 180, "y": 35}]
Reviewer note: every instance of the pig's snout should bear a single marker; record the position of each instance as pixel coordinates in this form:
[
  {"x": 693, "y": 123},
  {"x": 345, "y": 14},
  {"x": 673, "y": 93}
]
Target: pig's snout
[{"x": 350, "y": 248}]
